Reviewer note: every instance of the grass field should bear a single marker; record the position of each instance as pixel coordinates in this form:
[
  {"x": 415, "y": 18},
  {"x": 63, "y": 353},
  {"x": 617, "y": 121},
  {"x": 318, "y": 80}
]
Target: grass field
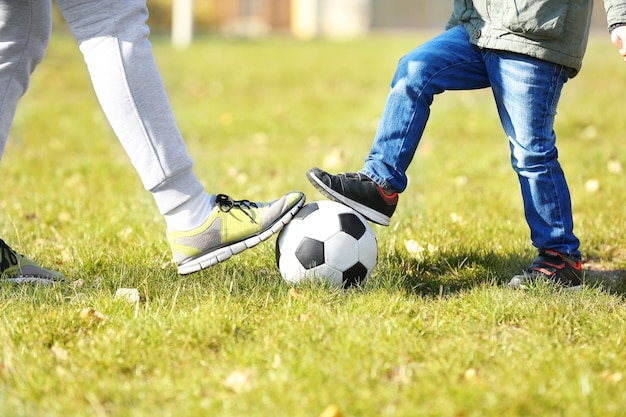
[{"x": 434, "y": 333}]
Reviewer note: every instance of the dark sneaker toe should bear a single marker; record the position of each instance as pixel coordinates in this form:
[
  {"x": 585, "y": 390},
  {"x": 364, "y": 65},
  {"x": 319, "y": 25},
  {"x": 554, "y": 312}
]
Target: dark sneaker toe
[
  {"x": 357, "y": 192},
  {"x": 552, "y": 266}
]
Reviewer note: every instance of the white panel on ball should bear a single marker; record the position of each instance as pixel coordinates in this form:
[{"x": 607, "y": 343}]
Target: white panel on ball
[{"x": 327, "y": 241}]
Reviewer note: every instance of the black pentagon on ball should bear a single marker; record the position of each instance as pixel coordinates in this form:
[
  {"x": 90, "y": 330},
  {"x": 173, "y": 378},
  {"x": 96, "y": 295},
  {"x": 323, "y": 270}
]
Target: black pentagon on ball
[
  {"x": 354, "y": 276},
  {"x": 352, "y": 225},
  {"x": 306, "y": 210},
  {"x": 310, "y": 253}
]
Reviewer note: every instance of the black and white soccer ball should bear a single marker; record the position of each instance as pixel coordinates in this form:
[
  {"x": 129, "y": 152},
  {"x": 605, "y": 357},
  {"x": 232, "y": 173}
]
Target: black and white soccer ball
[{"x": 327, "y": 241}]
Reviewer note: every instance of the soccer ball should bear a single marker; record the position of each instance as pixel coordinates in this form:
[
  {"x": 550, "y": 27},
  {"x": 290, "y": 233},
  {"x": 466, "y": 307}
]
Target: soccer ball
[{"x": 327, "y": 241}]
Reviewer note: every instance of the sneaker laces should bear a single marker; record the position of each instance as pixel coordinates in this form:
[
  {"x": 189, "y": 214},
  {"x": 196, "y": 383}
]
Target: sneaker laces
[
  {"x": 226, "y": 204},
  {"x": 355, "y": 175},
  {"x": 9, "y": 256},
  {"x": 385, "y": 191}
]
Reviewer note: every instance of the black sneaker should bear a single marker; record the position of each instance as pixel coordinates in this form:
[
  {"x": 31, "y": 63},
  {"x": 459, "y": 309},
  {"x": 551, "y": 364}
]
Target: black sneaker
[
  {"x": 552, "y": 266},
  {"x": 357, "y": 192}
]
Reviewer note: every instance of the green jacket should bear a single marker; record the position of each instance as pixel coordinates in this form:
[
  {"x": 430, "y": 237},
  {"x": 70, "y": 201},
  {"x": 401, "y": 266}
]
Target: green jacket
[{"x": 553, "y": 30}]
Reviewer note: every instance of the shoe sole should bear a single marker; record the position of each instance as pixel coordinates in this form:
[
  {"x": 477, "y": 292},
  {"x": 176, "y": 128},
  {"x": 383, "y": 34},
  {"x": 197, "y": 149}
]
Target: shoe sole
[
  {"x": 518, "y": 282},
  {"x": 32, "y": 280},
  {"x": 370, "y": 214},
  {"x": 209, "y": 259}
]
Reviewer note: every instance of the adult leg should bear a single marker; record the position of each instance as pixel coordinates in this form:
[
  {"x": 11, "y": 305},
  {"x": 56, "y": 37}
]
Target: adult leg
[
  {"x": 113, "y": 37},
  {"x": 202, "y": 230},
  {"x": 24, "y": 35}
]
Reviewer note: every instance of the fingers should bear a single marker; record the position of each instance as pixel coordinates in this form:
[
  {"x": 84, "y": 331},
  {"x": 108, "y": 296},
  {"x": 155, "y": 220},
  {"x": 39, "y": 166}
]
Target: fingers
[{"x": 618, "y": 37}]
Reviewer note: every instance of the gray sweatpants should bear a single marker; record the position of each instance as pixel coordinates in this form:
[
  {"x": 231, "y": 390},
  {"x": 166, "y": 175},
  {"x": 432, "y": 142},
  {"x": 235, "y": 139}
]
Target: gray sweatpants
[{"x": 113, "y": 37}]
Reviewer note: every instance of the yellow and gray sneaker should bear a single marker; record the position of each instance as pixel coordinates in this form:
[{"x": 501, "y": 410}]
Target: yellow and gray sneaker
[
  {"x": 232, "y": 227},
  {"x": 17, "y": 268}
]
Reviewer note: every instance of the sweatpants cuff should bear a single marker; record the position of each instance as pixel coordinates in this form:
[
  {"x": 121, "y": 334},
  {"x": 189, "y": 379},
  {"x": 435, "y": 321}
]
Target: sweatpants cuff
[{"x": 176, "y": 190}]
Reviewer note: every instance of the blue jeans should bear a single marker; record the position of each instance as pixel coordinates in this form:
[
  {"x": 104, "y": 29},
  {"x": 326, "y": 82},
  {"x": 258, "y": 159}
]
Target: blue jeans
[{"x": 526, "y": 92}]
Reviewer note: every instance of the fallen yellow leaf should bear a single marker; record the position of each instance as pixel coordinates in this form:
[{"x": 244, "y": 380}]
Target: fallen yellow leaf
[{"x": 331, "y": 411}]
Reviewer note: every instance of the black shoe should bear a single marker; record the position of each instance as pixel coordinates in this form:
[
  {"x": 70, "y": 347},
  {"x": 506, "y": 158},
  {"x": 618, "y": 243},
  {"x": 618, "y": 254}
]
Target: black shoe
[
  {"x": 552, "y": 266},
  {"x": 357, "y": 192}
]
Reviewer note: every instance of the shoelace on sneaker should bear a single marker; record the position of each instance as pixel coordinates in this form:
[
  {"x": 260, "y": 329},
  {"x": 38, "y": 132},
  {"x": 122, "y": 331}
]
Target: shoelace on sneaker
[
  {"x": 226, "y": 203},
  {"x": 9, "y": 257},
  {"x": 355, "y": 176}
]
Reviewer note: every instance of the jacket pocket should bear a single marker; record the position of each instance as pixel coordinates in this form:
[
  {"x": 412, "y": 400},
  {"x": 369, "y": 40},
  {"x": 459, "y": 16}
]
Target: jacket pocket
[{"x": 543, "y": 19}]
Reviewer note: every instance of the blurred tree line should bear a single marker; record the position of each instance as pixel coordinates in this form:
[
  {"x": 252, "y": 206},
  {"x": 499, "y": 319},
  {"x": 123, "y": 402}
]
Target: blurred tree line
[
  {"x": 160, "y": 16},
  {"x": 386, "y": 15}
]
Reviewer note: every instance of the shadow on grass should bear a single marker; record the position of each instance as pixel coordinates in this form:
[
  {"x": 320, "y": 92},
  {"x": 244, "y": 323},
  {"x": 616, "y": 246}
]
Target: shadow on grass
[
  {"x": 451, "y": 272},
  {"x": 607, "y": 275}
]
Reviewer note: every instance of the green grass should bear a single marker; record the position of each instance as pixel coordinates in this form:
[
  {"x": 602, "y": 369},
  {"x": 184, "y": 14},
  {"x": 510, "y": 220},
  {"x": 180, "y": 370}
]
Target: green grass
[{"x": 434, "y": 333}]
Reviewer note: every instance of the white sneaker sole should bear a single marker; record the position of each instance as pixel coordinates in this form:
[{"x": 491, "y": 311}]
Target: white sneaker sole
[
  {"x": 33, "y": 280},
  {"x": 518, "y": 282},
  {"x": 209, "y": 259}
]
